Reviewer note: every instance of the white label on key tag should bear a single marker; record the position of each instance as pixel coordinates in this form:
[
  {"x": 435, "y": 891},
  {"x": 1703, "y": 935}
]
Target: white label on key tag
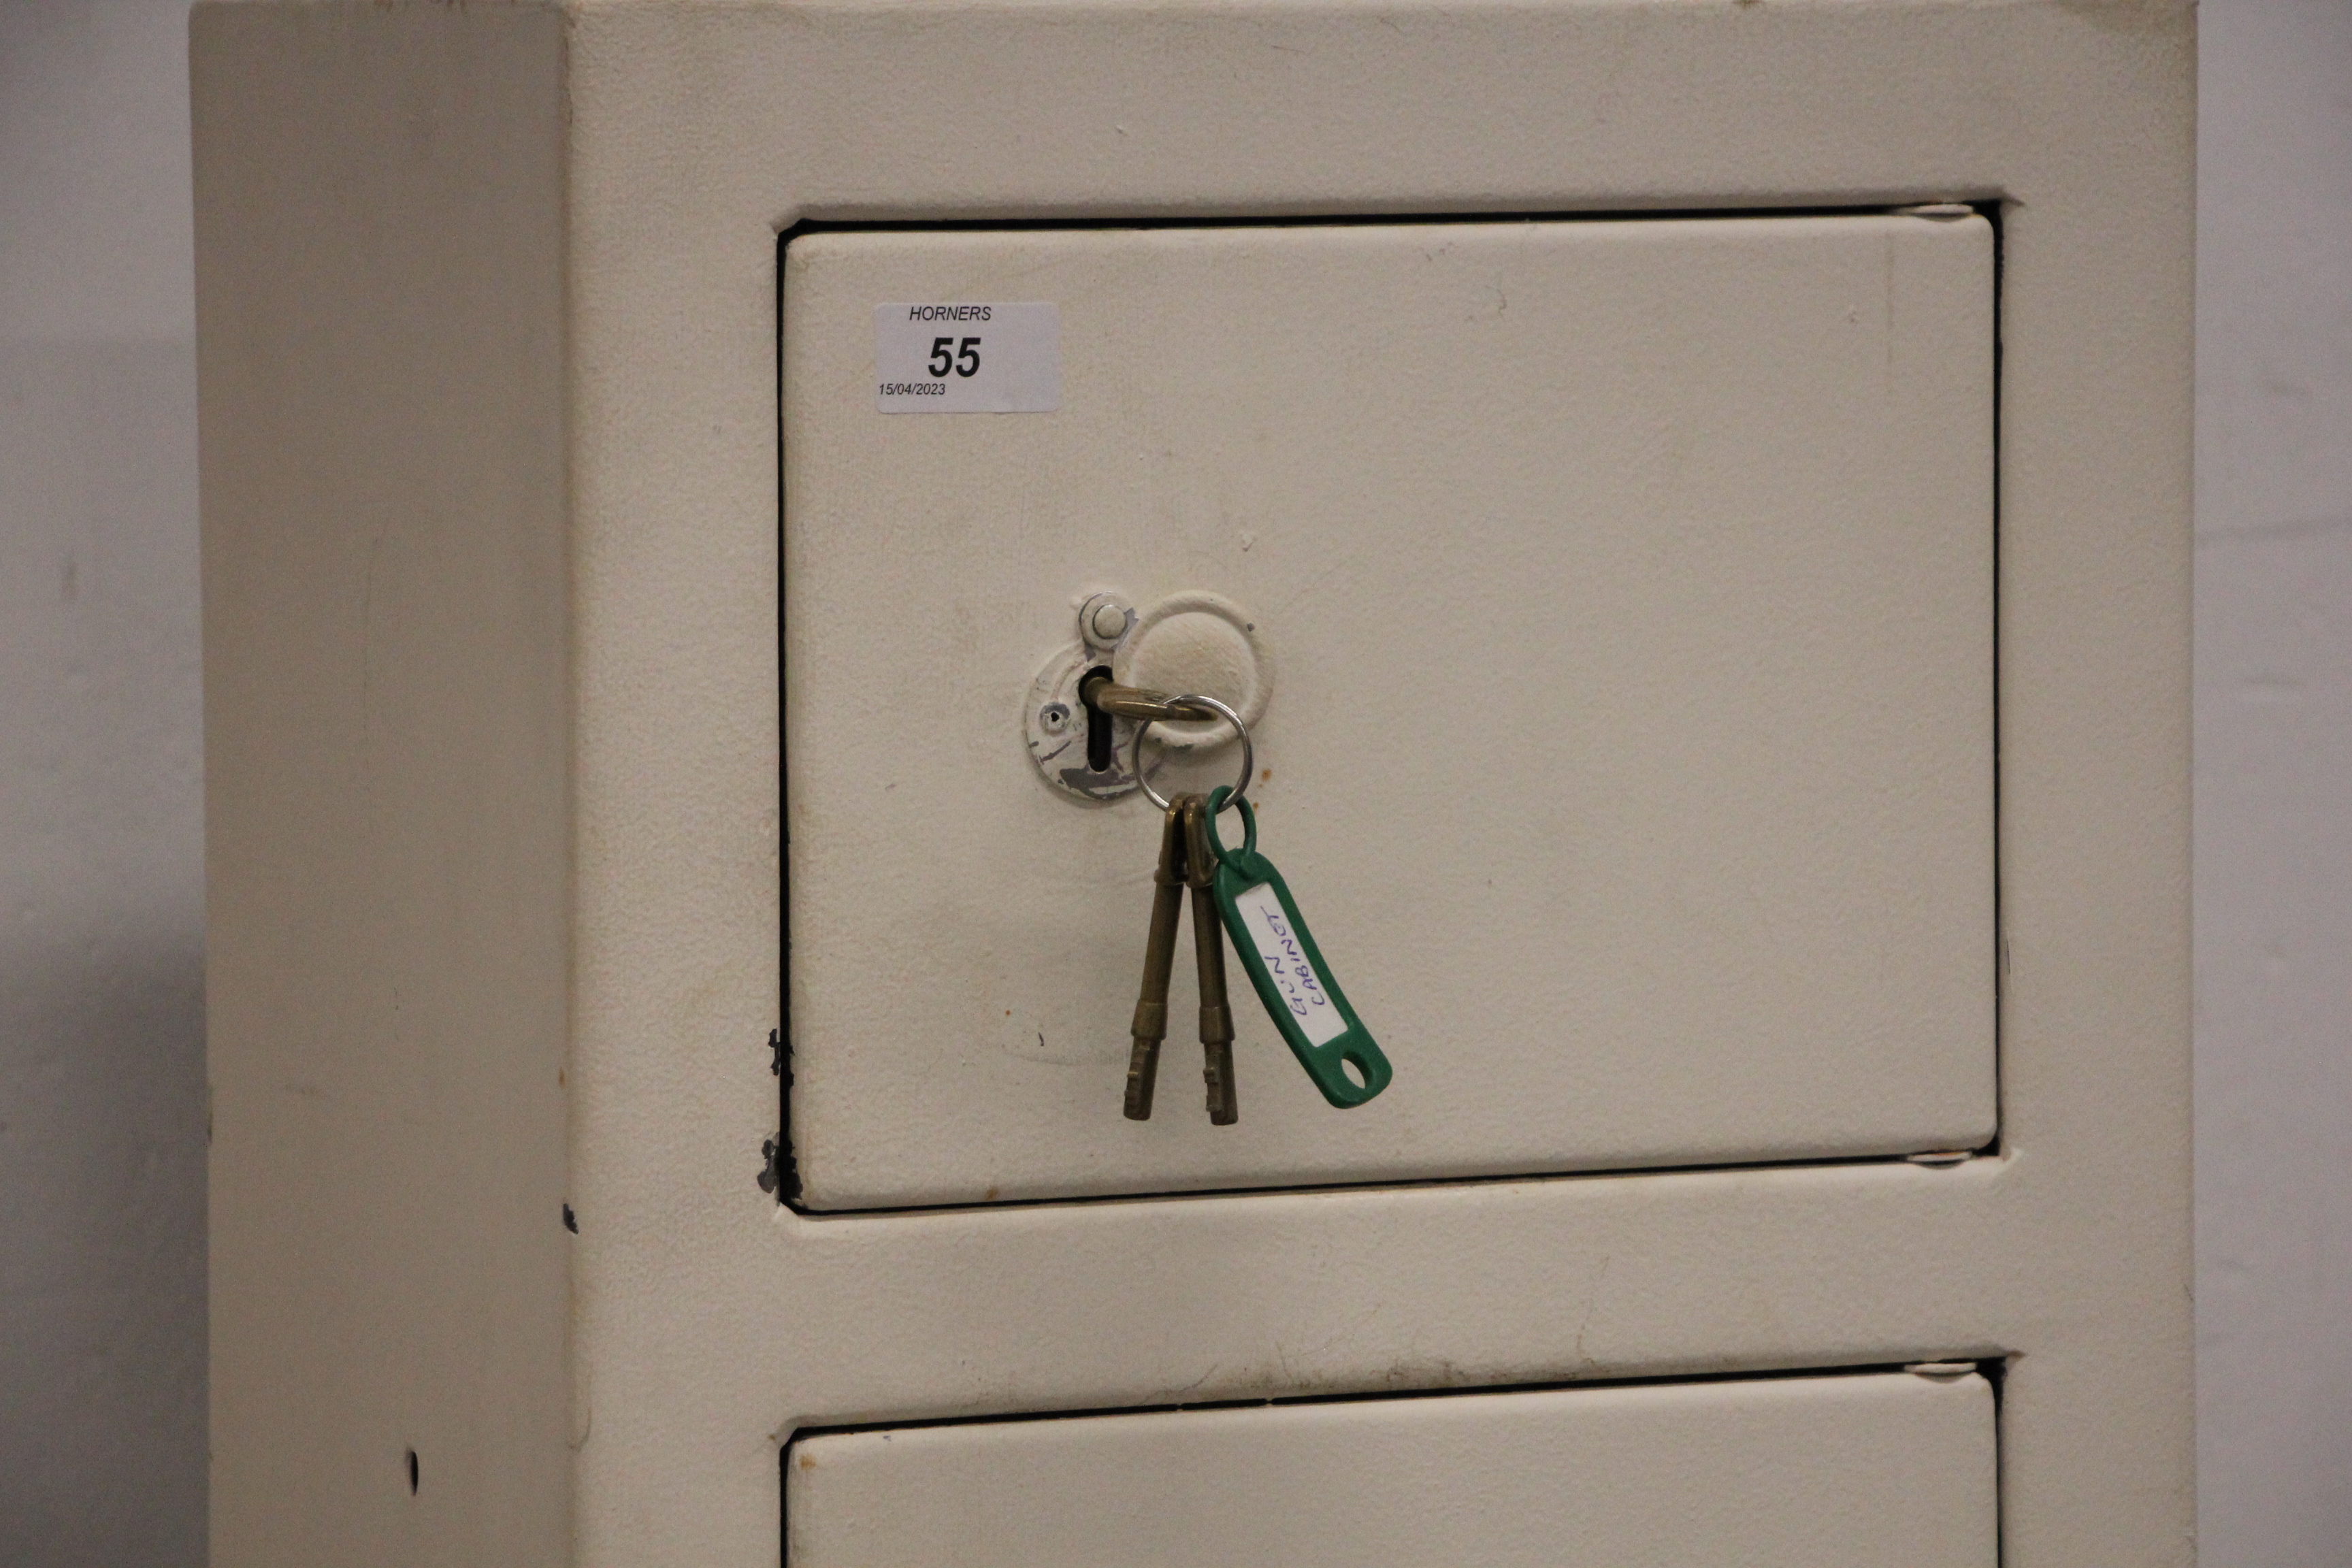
[
  {"x": 1285, "y": 958},
  {"x": 967, "y": 357}
]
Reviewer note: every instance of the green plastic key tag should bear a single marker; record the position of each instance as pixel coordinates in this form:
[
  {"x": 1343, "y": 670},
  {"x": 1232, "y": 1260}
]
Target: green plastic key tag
[{"x": 1288, "y": 970}]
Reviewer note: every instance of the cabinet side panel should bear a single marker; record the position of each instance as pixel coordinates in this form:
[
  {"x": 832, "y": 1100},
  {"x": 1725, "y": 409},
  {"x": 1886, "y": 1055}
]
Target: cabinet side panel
[{"x": 379, "y": 261}]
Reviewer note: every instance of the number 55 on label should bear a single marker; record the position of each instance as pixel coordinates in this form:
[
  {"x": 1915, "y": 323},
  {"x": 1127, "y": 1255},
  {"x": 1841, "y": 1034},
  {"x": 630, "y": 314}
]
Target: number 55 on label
[{"x": 997, "y": 357}]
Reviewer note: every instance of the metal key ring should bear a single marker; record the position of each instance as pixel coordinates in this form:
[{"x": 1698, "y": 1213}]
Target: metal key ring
[{"x": 1249, "y": 753}]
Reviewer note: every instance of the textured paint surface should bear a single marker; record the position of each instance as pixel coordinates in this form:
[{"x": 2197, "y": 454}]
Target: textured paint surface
[
  {"x": 379, "y": 255},
  {"x": 1845, "y": 1473},
  {"x": 707, "y": 1315},
  {"x": 706, "y": 1325},
  {"x": 1633, "y": 586}
]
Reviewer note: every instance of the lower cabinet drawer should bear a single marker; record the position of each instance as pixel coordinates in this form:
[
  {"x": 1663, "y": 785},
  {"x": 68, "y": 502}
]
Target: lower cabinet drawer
[{"x": 1857, "y": 1470}]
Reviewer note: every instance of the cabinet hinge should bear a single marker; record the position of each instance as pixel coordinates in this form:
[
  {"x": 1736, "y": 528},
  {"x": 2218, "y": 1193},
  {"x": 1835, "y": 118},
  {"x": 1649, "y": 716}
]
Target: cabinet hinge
[{"x": 779, "y": 1173}]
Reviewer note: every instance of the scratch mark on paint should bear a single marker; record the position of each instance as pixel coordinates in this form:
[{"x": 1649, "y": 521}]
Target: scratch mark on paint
[{"x": 1590, "y": 1302}]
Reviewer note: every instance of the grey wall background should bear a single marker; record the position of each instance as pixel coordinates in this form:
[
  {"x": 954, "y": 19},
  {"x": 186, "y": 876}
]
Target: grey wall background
[
  {"x": 2274, "y": 783},
  {"x": 101, "y": 868},
  {"x": 102, "y": 885}
]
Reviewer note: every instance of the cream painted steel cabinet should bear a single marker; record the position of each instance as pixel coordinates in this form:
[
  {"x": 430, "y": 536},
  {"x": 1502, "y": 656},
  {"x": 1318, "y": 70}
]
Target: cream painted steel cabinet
[{"x": 1698, "y": 498}]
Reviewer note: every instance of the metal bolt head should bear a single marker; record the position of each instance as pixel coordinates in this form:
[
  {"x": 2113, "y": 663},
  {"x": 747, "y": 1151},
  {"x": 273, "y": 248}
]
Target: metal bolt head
[
  {"x": 1104, "y": 619},
  {"x": 1054, "y": 718}
]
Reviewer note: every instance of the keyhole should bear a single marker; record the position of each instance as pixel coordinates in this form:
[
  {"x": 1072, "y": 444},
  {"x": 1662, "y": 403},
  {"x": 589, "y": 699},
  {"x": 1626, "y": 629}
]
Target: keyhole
[
  {"x": 412, "y": 1472},
  {"x": 1098, "y": 723}
]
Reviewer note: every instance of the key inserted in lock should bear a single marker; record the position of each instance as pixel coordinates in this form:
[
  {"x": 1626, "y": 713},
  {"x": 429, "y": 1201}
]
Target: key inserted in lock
[{"x": 1197, "y": 640}]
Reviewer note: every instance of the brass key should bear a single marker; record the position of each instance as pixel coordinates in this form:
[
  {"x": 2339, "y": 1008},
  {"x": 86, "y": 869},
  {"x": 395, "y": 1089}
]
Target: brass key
[
  {"x": 1209, "y": 952},
  {"x": 1150, "y": 1024}
]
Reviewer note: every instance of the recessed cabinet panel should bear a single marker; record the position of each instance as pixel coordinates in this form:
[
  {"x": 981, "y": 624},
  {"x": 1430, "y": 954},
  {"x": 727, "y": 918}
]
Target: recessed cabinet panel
[
  {"x": 1618, "y": 599},
  {"x": 1858, "y": 1472}
]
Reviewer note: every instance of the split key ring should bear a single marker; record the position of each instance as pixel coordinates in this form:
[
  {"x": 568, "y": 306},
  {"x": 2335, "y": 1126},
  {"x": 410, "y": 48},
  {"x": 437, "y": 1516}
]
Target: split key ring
[{"x": 1195, "y": 700}]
